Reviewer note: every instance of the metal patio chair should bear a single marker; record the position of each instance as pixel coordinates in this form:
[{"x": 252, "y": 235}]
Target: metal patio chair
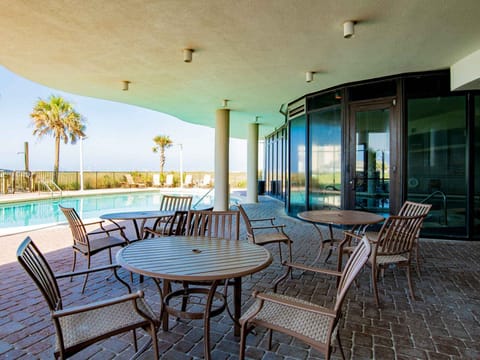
[
  {"x": 392, "y": 246},
  {"x": 311, "y": 323},
  {"x": 264, "y": 231},
  {"x": 410, "y": 208},
  {"x": 89, "y": 243},
  {"x": 78, "y": 327},
  {"x": 168, "y": 203},
  {"x": 208, "y": 224}
]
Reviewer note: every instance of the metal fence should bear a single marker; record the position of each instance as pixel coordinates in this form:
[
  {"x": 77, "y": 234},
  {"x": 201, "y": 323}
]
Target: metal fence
[{"x": 28, "y": 181}]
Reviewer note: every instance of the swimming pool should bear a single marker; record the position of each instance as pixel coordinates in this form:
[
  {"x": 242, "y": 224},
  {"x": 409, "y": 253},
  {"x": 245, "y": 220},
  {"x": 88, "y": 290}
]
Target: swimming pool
[{"x": 46, "y": 212}]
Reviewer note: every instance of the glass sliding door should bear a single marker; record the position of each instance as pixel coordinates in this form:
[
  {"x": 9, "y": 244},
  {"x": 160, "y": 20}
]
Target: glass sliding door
[
  {"x": 325, "y": 158},
  {"x": 370, "y": 158},
  {"x": 436, "y": 158}
]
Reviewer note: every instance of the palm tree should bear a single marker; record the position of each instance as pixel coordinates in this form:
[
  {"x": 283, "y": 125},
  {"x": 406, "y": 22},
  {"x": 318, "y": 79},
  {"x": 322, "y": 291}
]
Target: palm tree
[
  {"x": 162, "y": 142},
  {"x": 58, "y": 118}
]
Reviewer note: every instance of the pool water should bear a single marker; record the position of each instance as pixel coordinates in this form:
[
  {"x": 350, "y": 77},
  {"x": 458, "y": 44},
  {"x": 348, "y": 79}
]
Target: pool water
[{"x": 44, "y": 212}]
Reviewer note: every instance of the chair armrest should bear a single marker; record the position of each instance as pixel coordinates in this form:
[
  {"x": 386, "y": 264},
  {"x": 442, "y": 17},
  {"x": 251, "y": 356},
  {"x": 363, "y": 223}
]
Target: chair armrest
[
  {"x": 87, "y": 271},
  {"x": 148, "y": 231},
  {"x": 98, "y": 222},
  {"x": 264, "y": 219},
  {"x": 269, "y": 227},
  {"x": 112, "y": 267},
  {"x": 348, "y": 238},
  {"x": 313, "y": 269},
  {"x": 97, "y": 305},
  {"x": 297, "y": 305}
]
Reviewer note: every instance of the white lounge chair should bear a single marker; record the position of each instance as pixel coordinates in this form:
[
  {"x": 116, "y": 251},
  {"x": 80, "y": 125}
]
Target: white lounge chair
[
  {"x": 207, "y": 181},
  {"x": 169, "y": 180},
  {"x": 188, "y": 181},
  {"x": 156, "y": 180},
  {"x": 131, "y": 182}
]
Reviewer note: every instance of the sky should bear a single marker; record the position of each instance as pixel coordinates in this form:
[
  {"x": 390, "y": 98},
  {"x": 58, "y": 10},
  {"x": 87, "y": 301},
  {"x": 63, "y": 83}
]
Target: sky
[{"x": 119, "y": 136}]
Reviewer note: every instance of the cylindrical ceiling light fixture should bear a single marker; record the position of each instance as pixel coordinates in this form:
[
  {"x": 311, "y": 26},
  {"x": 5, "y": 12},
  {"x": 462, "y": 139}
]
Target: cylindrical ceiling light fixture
[
  {"x": 187, "y": 55},
  {"x": 309, "y": 76},
  {"x": 348, "y": 29}
]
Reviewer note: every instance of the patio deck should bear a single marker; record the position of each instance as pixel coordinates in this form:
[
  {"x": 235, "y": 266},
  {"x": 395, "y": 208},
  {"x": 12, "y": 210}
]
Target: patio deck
[{"x": 444, "y": 323}]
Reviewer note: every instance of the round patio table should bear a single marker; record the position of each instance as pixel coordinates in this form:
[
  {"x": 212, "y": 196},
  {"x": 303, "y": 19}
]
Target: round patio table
[
  {"x": 358, "y": 220},
  {"x": 195, "y": 259},
  {"x": 136, "y": 216}
]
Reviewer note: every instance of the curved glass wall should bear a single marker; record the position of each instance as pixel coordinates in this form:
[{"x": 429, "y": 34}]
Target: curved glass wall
[
  {"x": 298, "y": 152},
  {"x": 433, "y": 145}
]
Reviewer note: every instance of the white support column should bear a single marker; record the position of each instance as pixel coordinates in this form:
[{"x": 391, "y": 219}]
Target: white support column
[
  {"x": 222, "y": 137},
  {"x": 252, "y": 163}
]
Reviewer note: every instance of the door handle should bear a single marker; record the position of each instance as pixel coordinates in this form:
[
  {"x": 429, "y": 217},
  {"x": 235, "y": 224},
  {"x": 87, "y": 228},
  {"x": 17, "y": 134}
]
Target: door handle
[{"x": 352, "y": 183}]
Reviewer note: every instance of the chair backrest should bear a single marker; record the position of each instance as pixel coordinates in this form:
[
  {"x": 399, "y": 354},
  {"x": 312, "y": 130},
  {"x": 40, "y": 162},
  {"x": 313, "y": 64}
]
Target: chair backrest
[
  {"x": 354, "y": 264},
  {"x": 36, "y": 266},
  {"x": 410, "y": 208},
  {"x": 173, "y": 202},
  {"x": 169, "y": 180},
  {"x": 207, "y": 179},
  {"x": 129, "y": 179},
  {"x": 177, "y": 224},
  {"x": 248, "y": 224},
  {"x": 156, "y": 180},
  {"x": 214, "y": 224},
  {"x": 397, "y": 234},
  {"x": 188, "y": 180},
  {"x": 79, "y": 232}
]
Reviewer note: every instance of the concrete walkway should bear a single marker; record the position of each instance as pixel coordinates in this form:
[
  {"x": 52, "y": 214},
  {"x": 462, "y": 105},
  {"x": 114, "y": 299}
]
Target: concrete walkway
[{"x": 444, "y": 322}]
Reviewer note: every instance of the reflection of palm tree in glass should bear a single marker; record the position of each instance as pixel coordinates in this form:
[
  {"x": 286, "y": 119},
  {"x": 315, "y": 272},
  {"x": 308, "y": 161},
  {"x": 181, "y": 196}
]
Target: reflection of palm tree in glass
[{"x": 162, "y": 142}]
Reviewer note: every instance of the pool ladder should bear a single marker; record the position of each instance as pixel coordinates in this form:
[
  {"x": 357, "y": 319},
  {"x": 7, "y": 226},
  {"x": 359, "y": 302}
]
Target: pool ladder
[{"x": 53, "y": 185}]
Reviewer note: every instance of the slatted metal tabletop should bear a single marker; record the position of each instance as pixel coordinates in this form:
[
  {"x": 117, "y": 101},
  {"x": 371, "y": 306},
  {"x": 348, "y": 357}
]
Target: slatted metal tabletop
[
  {"x": 193, "y": 258},
  {"x": 136, "y": 216},
  {"x": 355, "y": 218}
]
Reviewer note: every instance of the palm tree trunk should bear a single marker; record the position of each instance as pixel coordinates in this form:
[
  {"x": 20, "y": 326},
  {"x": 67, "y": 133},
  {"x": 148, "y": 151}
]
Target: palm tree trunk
[
  {"x": 57, "y": 159},
  {"x": 162, "y": 161}
]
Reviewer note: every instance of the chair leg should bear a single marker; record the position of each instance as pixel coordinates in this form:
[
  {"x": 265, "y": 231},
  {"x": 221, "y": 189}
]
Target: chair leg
[
  {"x": 417, "y": 257},
  {"x": 270, "y": 332},
  {"x": 374, "y": 283},
  {"x": 340, "y": 345},
  {"x": 243, "y": 338},
  {"x": 135, "y": 343},
  {"x": 410, "y": 285},
  {"x": 280, "y": 252},
  {"x": 74, "y": 263},
  {"x": 86, "y": 275},
  {"x": 153, "y": 334}
]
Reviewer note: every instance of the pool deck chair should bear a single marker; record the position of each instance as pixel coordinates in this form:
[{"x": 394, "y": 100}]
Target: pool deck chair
[
  {"x": 188, "y": 181},
  {"x": 89, "y": 243},
  {"x": 131, "y": 182},
  {"x": 207, "y": 181},
  {"x": 169, "y": 180},
  {"x": 80, "y": 326},
  {"x": 307, "y": 321},
  {"x": 156, "y": 180}
]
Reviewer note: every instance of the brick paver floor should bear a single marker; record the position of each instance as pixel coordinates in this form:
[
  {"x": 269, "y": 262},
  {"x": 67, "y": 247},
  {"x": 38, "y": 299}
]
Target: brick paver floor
[{"x": 444, "y": 322}]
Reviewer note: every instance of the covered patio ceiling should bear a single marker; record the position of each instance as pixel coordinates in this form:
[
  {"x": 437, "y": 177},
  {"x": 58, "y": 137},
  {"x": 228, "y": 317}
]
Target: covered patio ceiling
[{"x": 253, "y": 53}]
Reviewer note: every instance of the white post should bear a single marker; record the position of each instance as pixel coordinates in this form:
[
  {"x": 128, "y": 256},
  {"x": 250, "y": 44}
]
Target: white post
[
  {"x": 81, "y": 162},
  {"x": 252, "y": 163},
  {"x": 181, "y": 165},
  {"x": 222, "y": 133}
]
